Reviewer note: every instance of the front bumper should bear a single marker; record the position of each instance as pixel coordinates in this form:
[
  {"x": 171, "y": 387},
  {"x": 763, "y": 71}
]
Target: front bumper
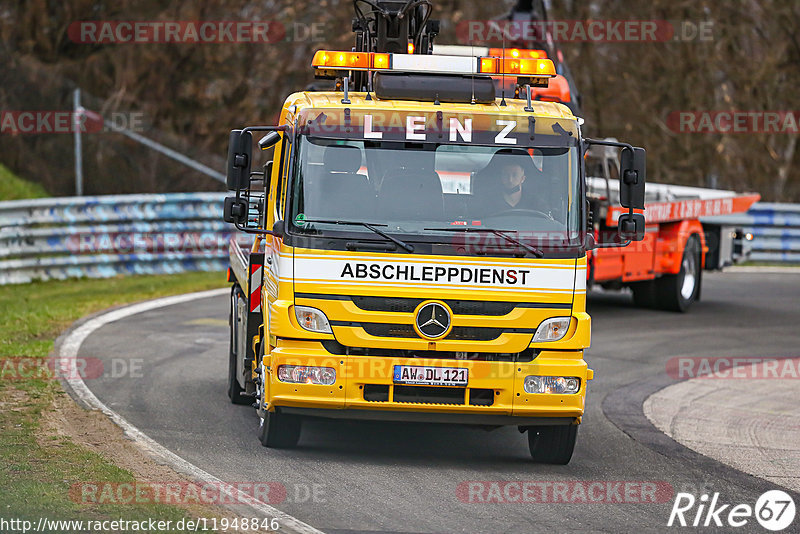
[{"x": 494, "y": 394}]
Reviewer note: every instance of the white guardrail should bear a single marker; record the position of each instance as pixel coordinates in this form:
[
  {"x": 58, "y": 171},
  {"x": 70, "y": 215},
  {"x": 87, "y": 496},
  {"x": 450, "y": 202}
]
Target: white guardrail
[
  {"x": 775, "y": 228},
  {"x": 104, "y": 236}
]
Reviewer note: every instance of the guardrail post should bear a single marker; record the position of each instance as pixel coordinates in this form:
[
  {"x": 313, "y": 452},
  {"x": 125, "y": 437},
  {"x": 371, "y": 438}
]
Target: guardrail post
[{"x": 77, "y": 112}]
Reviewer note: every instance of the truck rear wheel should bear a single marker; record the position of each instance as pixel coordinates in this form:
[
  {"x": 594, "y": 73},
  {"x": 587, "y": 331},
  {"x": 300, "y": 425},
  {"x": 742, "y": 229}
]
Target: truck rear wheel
[
  {"x": 279, "y": 430},
  {"x": 552, "y": 444},
  {"x": 676, "y": 292},
  {"x": 235, "y": 391}
]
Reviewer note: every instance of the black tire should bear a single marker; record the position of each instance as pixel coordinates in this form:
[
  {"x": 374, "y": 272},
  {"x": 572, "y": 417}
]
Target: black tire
[
  {"x": 235, "y": 391},
  {"x": 677, "y": 292},
  {"x": 644, "y": 293},
  {"x": 279, "y": 430},
  {"x": 552, "y": 444}
]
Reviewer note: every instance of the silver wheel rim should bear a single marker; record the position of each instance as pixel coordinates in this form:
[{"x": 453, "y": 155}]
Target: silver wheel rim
[{"x": 689, "y": 276}]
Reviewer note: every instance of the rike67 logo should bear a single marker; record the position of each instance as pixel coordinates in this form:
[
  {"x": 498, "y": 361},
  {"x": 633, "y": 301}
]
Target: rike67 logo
[{"x": 774, "y": 510}]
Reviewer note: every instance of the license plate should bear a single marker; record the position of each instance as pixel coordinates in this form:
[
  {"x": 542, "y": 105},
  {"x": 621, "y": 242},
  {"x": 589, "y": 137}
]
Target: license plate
[{"x": 431, "y": 376}]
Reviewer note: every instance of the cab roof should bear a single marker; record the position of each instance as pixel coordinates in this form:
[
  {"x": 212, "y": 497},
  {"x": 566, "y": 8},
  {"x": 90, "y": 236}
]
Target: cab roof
[{"x": 330, "y": 99}]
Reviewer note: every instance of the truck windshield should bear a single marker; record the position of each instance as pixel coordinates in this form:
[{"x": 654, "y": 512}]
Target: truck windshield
[{"x": 425, "y": 190}]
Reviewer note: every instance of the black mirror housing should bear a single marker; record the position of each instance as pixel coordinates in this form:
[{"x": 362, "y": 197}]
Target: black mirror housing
[
  {"x": 631, "y": 226},
  {"x": 632, "y": 176},
  {"x": 269, "y": 140},
  {"x": 240, "y": 155},
  {"x": 234, "y": 211}
]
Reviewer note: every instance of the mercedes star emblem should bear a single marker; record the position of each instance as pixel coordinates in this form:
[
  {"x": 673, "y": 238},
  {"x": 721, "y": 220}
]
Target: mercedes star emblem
[{"x": 433, "y": 320}]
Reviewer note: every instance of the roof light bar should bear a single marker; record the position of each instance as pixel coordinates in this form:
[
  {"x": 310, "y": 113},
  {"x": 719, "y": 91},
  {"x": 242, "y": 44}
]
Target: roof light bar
[
  {"x": 342, "y": 60},
  {"x": 381, "y": 61},
  {"x": 517, "y": 53},
  {"x": 537, "y": 68},
  {"x": 463, "y": 50},
  {"x": 434, "y": 64}
]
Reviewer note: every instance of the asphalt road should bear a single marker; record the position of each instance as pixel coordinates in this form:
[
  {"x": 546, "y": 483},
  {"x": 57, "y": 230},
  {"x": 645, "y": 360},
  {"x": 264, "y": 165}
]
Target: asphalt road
[{"x": 376, "y": 477}]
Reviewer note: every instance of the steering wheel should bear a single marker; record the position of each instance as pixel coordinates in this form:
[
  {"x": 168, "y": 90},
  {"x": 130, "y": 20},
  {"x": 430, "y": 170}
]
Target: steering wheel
[{"x": 513, "y": 211}]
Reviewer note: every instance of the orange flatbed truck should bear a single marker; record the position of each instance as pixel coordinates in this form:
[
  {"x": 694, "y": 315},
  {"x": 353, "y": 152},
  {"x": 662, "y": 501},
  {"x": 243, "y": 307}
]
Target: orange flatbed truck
[{"x": 664, "y": 270}]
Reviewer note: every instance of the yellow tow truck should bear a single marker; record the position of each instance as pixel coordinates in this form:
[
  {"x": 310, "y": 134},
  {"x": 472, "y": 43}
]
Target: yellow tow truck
[{"x": 420, "y": 244}]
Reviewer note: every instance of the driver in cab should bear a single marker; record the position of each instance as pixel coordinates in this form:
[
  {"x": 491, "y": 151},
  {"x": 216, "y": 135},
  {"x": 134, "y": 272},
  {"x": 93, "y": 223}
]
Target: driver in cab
[{"x": 501, "y": 185}]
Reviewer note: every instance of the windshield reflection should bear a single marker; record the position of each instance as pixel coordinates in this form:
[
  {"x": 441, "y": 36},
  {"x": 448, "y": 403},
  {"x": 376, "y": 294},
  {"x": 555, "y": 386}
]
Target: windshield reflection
[{"x": 426, "y": 189}]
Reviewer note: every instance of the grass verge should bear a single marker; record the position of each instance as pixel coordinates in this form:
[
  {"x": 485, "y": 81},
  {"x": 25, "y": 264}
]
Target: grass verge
[
  {"x": 36, "y": 472},
  {"x": 13, "y": 187}
]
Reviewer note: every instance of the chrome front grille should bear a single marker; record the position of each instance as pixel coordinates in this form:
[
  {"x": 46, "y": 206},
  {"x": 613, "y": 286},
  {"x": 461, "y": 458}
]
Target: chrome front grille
[
  {"x": 470, "y": 333},
  {"x": 404, "y": 329}
]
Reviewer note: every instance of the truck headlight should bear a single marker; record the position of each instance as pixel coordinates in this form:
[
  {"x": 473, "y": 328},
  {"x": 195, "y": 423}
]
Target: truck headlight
[
  {"x": 312, "y": 319},
  {"x": 563, "y": 385},
  {"x": 306, "y": 374},
  {"x": 552, "y": 329}
]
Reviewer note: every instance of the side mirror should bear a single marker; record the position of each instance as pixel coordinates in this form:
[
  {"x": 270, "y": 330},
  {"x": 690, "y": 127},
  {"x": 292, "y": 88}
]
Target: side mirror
[
  {"x": 279, "y": 228},
  {"x": 235, "y": 211},
  {"x": 631, "y": 226},
  {"x": 632, "y": 175},
  {"x": 240, "y": 154}
]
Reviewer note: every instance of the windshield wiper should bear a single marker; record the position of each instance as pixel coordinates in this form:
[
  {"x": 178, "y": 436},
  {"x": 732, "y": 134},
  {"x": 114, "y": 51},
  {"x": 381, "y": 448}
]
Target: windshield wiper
[
  {"x": 370, "y": 226},
  {"x": 533, "y": 250}
]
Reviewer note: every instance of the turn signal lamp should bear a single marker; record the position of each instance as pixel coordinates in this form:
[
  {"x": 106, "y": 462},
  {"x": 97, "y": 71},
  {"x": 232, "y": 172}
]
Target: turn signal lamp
[
  {"x": 552, "y": 329},
  {"x": 312, "y": 319}
]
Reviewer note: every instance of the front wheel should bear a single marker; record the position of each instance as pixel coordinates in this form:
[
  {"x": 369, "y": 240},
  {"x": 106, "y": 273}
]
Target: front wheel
[
  {"x": 676, "y": 292},
  {"x": 279, "y": 430},
  {"x": 552, "y": 444}
]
